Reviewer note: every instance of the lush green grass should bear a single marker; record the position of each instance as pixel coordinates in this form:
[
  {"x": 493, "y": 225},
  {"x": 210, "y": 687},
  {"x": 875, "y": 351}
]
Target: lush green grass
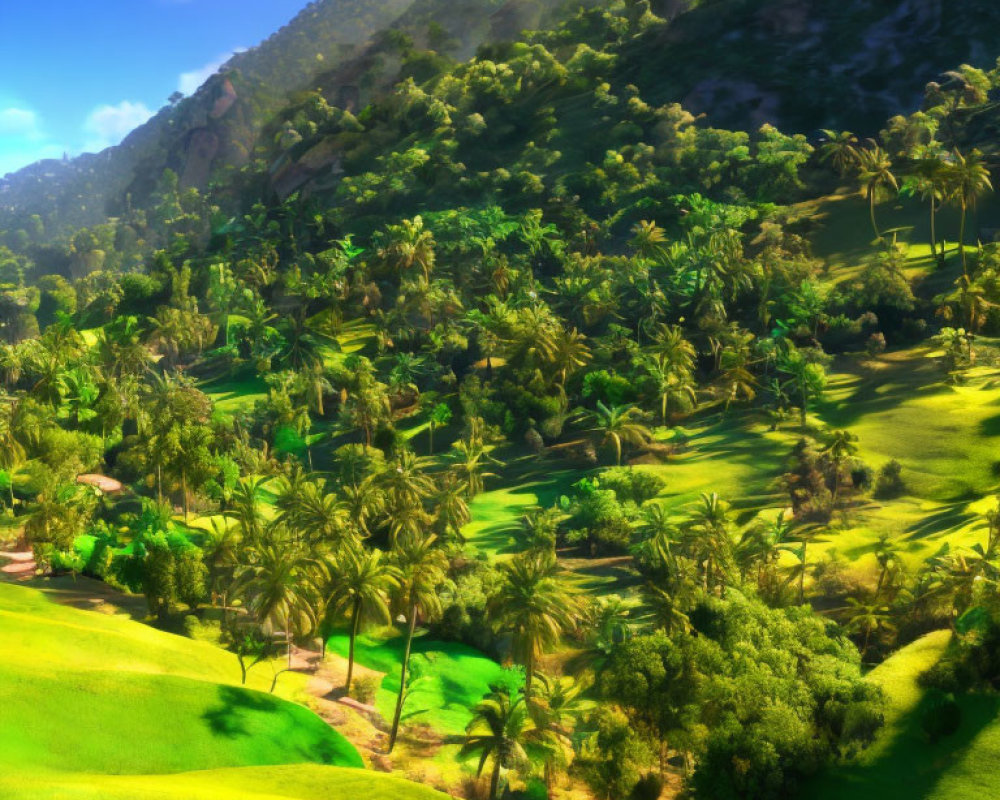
[
  {"x": 87, "y": 694},
  {"x": 115, "y": 722},
  {"x": 496, "y": 513},
  {"x": 36, "y": 630},
  {"x": 231, "y": 395},
  {"x": 450, "y": 678},
  {"x": 902, "y": 763},
  {"x": 299, "y": 782},
  {"x": 944, "y": 436}
]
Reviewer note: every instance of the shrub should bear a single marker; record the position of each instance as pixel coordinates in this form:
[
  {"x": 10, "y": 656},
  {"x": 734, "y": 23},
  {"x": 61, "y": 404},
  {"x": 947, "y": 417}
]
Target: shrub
[
  {"x": 633, "y": 485},
  {"x": 889, "y": 481},
  {"x": 366, "y": 688}
]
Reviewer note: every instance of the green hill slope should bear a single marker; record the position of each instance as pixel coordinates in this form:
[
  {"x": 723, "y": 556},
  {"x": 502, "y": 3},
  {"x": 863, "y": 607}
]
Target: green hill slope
[
  {"x": 902, "y": 763},
  {"x": 89, "y": 698}
]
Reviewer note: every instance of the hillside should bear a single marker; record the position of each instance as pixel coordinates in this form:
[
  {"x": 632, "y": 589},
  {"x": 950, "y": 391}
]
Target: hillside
[
  {"x": 81, "y": 689},
  {"x": 566, "y": 442},
  {"x": 332, "y": 43},
  {"x": 799, "y": 64}
]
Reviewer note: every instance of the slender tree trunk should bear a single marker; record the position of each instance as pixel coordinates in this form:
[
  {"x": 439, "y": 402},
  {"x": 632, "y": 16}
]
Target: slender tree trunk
[
  {"x": 529, "y": 672},
  {"x": 961, "y": 241},
  {"x": 355, "y": 619},
  {"x": 184, "y": 494},
  {"x": 495, "y": 778},
  {"x": 663, "y": 408},
  {"x": 159, "y": 484},
  {"x": 933, "y": 233},
  {"x": 402, "y": 678},
  {"x": 871, "y": 211},
  {"x": 430, "y": 439},
  {"x": 243, "y": 670},
  {"x": 802, "y": 575},
  {"x": 288, "y": 645}
]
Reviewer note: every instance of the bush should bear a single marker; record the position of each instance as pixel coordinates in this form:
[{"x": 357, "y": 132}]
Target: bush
[
  {"x": 366, "y": 688},
  {"x": 889, "y": 481},
  {"x": 633, "y": 485}
]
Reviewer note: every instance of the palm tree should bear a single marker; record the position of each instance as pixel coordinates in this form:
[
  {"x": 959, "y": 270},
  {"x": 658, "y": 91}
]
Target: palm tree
[
  {"x": 841, "y": 447},
  {"x": 534, "y": 604},
  {"x": 221, "y": 548},
  {"x": 408, "y": 245},
  {"x": 498, "y": 730},
  {"x": 968, "y": 179},
  {"x": 470, "y": 458},
  {"x": 451, "y": 505},
  {"x": 868, "y": 619},
  {"x": 671, "y": 384},
  {"x": 554, "y": 707},
  {"x": 571, "y": 353},
  {"x": 277, "y": 587},
  {"x": 708, "y": 538},
  {"x": 928, "y": 182},
  {"x": 405, "y": 483},
  {"x": 439, "y": 417},
  {"x": 887, "y": 555},
  {"x": 798, "y": 570},
  {"x": 841, "y": 150},
  {"x": 422, "y": 567},
  {"x": 876, "y": 176},
  {"x": 665, "y": 609},
  {"x": 357, "y": 581},
  {"x": 617, "y": 425}
]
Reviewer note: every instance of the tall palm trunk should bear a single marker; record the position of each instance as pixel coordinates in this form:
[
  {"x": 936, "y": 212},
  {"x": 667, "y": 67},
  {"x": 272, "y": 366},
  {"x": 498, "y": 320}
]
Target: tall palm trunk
[
  {"x": 934, "y": 252},
  {"x": 961, "y": 239},
  {"x": 355, "y": 620},
  {"x": 402, "y": 678},
  {"x": 495, "y": 778},
  {"x": 871, "y": 211}
]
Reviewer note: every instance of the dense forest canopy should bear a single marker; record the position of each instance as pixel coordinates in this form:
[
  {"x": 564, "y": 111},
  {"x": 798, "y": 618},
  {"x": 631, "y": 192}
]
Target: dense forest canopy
[{"x": 614, "y": 453}]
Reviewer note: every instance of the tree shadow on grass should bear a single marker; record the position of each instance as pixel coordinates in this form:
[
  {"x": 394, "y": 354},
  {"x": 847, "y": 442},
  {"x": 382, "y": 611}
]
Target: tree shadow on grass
[
  {"x": 951, "y": 517},
  {"x": 911, "y": 767},
  {"x": 229, "y": 718}
]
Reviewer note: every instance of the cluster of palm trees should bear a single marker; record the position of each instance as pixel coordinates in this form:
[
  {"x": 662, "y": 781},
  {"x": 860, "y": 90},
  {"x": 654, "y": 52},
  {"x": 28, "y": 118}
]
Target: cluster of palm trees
[
  {"x": 934, "y": 175},
  {"x": 312, "y": 569},
  {"x": 512, "y": 728}
]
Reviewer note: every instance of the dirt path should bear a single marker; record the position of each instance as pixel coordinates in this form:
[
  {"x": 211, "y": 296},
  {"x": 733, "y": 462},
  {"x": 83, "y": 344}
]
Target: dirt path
[{"x": 20, "y": 565}]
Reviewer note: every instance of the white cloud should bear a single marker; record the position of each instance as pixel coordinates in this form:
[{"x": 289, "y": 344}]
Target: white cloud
[
  {"x": 23, "y": 139},
  {"x": 189, "y": 82},
  {"x": 107, "y": 125},
  {"x": 19, "y": 122}
]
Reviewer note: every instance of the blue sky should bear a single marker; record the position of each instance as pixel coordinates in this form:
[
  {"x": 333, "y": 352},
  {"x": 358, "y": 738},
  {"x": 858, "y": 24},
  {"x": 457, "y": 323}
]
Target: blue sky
[{"x": 77, "y": 75}]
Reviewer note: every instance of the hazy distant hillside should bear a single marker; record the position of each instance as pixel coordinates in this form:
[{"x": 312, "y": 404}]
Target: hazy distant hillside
[
  {"x": 218, "y": 126},
  {"x": 801, "y": 64}
]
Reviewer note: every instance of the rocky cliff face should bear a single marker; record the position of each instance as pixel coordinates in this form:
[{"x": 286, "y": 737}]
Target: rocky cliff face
[
  {"x": 804, "y": 64},
  {"x": 327, "y": 46}
]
